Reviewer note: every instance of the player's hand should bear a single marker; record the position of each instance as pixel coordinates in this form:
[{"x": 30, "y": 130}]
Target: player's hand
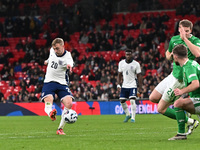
[
  {"x": 118, "y": 87},
  {"x": 171, "y": 56},
  {"x": 177, "y": 92},
  {"x": 69, "y": 67},
  {"x": 140, "y": 90},
  {"x": 182, "y": 33},
  {"x": 45, "y": 62}
]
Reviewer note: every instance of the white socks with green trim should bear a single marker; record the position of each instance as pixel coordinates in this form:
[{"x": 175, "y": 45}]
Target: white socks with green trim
[{"x": 48, "y": 108}]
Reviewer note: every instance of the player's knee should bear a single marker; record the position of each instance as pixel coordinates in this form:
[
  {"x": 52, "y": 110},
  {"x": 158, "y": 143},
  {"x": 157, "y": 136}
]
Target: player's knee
[
  {"x": 161, "y": 111},
  {"x": 178, "y": 104},
  {"x": 68, "y": 105},
  {"x": 153, "y": 99},
  {"x": 122, "y": 101},
  {"x": 67, "y": 101}
]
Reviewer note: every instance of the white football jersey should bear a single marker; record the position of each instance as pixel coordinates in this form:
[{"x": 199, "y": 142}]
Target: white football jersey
[
  {"x": 129, "y": 72},
  {"x": 57, "y": 66}
]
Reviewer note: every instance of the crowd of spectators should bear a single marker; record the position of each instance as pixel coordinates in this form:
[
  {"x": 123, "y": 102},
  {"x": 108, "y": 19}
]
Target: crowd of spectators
[
  {"x": 97, "y": 68},
  {"x": 33, "y": 7},
  {"x": 191, "y": 7}
]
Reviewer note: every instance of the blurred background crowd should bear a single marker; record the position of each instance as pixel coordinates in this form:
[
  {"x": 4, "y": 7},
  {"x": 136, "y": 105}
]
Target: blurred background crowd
[{"x": 97, "y": 33}]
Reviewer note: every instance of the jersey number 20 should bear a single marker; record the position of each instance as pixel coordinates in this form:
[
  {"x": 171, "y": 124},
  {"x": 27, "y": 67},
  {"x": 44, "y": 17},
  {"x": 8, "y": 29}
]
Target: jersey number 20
[{"x": 54, "y": 65}]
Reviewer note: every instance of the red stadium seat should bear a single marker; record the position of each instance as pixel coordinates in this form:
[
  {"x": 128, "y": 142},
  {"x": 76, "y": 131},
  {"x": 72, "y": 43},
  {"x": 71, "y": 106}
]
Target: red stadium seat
[
  {"x": 93, "y": 83},
  {"x": 40, "y": 42},
  {"x": 84, "y": 77},
  {"x": 3, "y": 83},
  {"x": 31, "y": 88},
  {"x": 19, "y": 75},
  {"x": 6, "y": 95},
  {"x": 1, "y": 66},
  {"x": 38, "y": 95},
  {"x": 17, "y": 82},
  {"x": 3, "y": 89},
  {"x": 154, "y": 72},
  {"x": 17, "y": 89}
]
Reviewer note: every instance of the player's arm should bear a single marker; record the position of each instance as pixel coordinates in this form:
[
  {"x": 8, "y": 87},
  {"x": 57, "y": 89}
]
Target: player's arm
[
  {"x": 70, "y": 62},
  {"x": 193, "y": 86},
  {"x": 168, "y": 55},
  {"x": 69, "y": 67},
  {"x": 46, "y": 62},
  {"x": 195, "y": 50},
  {"x": 140, "y": 80},
  {"x": 119, "y": 80}
]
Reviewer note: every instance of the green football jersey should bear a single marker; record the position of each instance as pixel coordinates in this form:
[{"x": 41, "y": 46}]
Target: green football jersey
[
  {"x": 175, "y": 40},
  {"x": 191, "y": 71}
]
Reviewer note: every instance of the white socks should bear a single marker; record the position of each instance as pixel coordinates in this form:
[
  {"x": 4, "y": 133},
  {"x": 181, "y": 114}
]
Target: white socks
[
  {"x": 125, "y": 108},
  {"x": 133, "y": 109},
  {"x": 62, "y": 121},
  {"x": 190, "y": 121},
  {"x": 48, "y": 108}
]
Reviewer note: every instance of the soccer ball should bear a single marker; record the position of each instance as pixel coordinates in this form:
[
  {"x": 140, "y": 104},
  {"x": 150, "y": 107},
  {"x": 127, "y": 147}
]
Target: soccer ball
[{"x": 70, "y": 116}]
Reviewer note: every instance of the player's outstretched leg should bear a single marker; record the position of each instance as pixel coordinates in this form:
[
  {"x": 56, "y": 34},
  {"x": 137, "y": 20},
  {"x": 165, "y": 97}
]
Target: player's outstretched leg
[
  {"x": 193, "y": 126},
  {"x": 60, "y": 132},
  {"x": 62, "y": 123},
  {"x": 125, "y": 108},
  {"x": 52, "y": 114}
]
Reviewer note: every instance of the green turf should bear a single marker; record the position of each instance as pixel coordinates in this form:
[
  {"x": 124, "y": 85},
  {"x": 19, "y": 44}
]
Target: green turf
[{"x": 101, "y": 132}]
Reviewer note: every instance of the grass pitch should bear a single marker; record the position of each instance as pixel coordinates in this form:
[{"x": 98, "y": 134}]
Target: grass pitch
[{"x": 95, "y": 132}]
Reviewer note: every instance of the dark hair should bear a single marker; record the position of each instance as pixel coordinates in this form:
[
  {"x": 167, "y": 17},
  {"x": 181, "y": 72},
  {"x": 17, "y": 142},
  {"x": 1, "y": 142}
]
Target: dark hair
[
  {"x": 180, "y": 50},
  {"x": 128, "y": 50}
]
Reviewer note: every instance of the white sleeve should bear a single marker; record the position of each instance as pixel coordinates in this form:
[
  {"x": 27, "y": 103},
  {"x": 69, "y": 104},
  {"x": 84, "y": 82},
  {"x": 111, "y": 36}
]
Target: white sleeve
[
  {"x": 50, "y": 51},
  {"x": 138, "y": 70},
  {"x": 119, "y": 67},
  {"x": 70, "y": 59}
]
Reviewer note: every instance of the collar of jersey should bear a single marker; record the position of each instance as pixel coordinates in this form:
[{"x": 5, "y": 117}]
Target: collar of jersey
[
  {"x": 129, "y": 62},
  {"x": 62, "y": 54},
  {"x": 186, "y": 62}
]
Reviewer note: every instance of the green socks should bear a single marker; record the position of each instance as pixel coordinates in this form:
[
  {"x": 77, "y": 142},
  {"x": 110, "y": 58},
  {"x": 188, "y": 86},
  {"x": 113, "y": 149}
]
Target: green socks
[
  {"x": 171, "y": 114},
  {"x": 180, "y": 117}
]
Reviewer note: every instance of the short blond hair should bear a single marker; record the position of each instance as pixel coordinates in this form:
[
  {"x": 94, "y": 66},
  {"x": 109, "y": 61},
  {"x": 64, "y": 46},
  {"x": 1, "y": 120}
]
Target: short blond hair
[
  {"x": 57, "y": 40},
  {"x": 186, "y": 23}
]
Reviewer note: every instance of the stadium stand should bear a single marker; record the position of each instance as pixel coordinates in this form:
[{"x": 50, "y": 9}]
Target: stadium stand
[{"x": 147, "y": 33}]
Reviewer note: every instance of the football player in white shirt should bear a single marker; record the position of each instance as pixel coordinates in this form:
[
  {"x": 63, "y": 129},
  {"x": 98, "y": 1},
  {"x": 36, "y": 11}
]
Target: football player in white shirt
[
  {"x": 128, "y": 72},
  {"x": 58, "y": 62}
]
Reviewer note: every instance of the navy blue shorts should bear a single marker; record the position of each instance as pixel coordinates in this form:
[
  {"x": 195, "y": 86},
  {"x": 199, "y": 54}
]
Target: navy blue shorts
[
  {"x": 53, "y": 88},
  {"x": 128, "y": 93}
]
